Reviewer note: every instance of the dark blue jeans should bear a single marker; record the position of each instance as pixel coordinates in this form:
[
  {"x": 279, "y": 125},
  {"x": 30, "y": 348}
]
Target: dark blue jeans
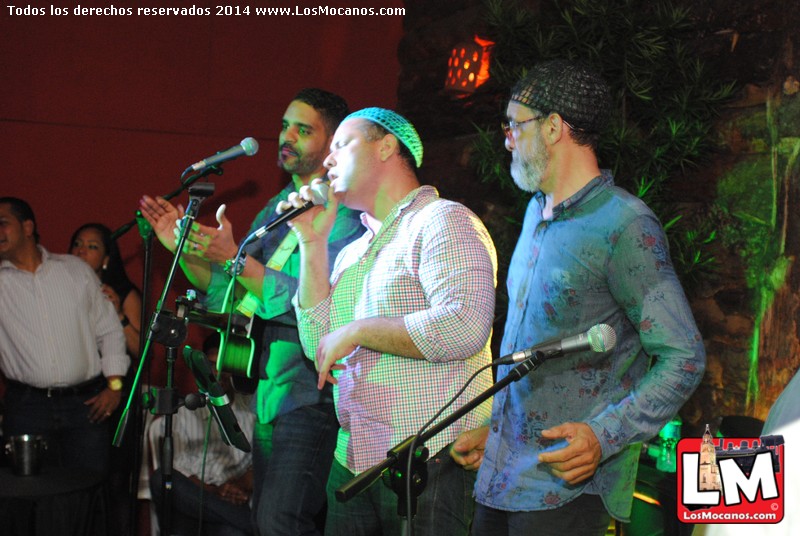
[
  {"x": 220, "y": 517},
  {"x": 72, "y": 441},
  {"x": 291, "y": 461},
  {"x": 444, "y": 508},
  {"x": 585, "y": 515}
]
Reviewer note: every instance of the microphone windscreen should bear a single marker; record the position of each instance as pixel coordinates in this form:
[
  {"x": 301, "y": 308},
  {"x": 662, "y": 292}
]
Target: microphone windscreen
[
  {"x": 602, "y": 338},
  {"x": 250, "y": 146},
  {"x": 319, "y": 193}
]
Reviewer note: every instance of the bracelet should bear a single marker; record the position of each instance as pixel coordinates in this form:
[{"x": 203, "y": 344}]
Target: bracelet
[
  {"x": 125, "y": 321},
  {"x": 238, "y": 269}
]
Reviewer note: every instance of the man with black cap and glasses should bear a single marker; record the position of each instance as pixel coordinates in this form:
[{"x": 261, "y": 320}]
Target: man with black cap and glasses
[
  {"x": 400, "y": 326},
  {"x": 562, "y": 446}
]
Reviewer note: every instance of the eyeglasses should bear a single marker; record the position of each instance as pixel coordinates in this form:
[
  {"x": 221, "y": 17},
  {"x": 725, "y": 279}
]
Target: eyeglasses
[{"x": 511, "y": 126}]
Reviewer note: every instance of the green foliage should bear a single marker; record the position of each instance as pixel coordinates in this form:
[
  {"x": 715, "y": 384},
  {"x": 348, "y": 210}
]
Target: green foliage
[
  {"x": 665, "y": 100},
  {"x": 690, "y": 252},
  {"x": 744, "y": 205},
  {"x": 492, "y": 167}
]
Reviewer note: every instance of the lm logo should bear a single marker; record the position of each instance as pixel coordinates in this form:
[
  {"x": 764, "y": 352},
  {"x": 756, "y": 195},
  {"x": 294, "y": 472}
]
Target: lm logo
[{"x": 722, "y": 480}]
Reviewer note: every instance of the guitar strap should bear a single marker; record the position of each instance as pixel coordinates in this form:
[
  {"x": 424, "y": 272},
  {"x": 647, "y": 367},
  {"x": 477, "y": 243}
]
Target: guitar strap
[
  {"x": 237, "y": 353},
  {"x": 249, "y": 303}
]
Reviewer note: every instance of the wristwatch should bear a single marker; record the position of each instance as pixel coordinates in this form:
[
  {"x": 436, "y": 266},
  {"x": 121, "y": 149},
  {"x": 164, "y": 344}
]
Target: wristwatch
[
  {"x": 115, "y": 384},
  {"x": 232, "y": 270}
]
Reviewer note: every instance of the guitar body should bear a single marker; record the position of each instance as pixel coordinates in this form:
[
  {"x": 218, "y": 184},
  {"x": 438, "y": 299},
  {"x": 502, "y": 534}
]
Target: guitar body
[{"x": 240, "y": 351}]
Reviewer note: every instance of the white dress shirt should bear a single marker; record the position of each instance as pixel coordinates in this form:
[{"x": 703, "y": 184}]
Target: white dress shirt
[{"x": 57, "y": 328}]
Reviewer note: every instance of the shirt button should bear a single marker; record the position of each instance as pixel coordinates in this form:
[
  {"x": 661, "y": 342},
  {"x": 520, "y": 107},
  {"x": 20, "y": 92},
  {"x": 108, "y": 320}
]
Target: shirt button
[{"x": 494, "y": 428}]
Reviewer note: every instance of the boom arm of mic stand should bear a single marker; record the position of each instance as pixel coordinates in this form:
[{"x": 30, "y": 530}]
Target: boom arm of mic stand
[
  {"x": 365, "y": 479},
  {"x": 124, "y": 228}
]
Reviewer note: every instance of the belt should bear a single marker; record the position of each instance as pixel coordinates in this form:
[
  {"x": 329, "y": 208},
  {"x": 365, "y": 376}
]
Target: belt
[{"x": 83, "y": 388}]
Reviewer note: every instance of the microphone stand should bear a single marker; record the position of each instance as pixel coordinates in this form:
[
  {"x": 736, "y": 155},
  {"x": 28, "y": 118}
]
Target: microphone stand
[
  {"x": 133, "y": 403},
  {"x": 146, "y": 232},
  {"x": 397, "y": 459},
  {"x": 169, "y": 331}
]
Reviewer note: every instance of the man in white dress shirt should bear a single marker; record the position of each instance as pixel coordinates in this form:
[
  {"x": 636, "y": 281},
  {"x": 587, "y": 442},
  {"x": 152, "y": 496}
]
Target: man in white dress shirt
[{"x": 62, "y": 349}]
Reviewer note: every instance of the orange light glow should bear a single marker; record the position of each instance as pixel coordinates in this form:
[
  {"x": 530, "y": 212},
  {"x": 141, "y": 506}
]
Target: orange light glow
[
  {"x": 469, "y": 74},
  {"x": 645, "y": 498}
]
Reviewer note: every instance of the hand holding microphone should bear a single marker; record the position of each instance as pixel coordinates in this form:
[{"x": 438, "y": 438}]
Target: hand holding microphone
[
  {"x": 309, "y": 196},
  {"x": 317, "y": 226}
]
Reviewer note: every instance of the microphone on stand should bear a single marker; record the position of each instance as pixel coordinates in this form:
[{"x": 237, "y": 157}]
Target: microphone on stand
[
  {"x": 219, "y": 402},
  {"x": 248, "y": 147},
  {"x": 599, "y": 338}
]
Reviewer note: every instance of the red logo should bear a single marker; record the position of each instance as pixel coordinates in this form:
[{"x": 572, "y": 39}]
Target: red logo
[{"x": 730, "y": 480}]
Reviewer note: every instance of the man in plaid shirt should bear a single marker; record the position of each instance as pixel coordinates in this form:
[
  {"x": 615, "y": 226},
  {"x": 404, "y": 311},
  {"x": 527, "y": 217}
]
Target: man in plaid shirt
[{"x": 401, "y": 325}]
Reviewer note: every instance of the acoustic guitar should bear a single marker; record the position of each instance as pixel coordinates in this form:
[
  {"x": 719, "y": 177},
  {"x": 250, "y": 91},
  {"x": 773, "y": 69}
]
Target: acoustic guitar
[{"x": 240, "y": 348}]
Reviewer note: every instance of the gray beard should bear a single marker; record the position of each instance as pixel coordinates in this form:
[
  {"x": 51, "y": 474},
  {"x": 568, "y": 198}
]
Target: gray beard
[{"x": 527, "y": 176}]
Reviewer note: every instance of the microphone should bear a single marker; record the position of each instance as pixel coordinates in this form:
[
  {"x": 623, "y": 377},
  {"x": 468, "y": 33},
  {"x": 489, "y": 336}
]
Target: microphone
[
  {"x": 599, "y": 338},
  {"x": 248, "y": 147},
  {"x": 319, "y": 196}
]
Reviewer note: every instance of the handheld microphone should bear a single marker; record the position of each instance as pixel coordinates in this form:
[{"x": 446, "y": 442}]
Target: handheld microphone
[
  {"x": 599, "y": 338},
  {"x": 319, "y": 196},
  {"x": 248, "y": 147}
]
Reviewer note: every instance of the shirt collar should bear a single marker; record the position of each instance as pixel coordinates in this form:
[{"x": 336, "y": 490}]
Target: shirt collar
[
  {"x": 592, "y": 189},
  {"x": 423, "y": 194},
  {"x": 46, "y": 255}
]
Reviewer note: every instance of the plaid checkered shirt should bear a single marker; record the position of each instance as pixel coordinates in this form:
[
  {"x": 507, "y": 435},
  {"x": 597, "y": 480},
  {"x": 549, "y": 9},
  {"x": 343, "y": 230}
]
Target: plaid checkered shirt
[{"x": 433, "y": 263}]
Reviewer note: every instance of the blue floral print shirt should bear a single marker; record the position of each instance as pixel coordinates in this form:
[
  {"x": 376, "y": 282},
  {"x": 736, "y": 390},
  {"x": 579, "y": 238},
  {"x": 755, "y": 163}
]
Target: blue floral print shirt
[{"x": 602, "y": 258}]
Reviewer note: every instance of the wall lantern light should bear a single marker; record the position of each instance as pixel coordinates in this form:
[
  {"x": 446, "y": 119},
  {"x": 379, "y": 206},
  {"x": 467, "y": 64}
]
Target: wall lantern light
[{"x": 468, "y": 66}]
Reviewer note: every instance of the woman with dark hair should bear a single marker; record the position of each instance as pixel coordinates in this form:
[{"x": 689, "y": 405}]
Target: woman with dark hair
[{"x": 92, "y": 242}]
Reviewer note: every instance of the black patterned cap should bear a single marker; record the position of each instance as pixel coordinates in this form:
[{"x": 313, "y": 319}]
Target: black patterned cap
[{"x": 572, "y": 90}]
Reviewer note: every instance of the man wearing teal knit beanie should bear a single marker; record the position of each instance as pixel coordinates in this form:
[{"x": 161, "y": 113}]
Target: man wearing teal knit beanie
[{"x": 401, "y": 324}]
